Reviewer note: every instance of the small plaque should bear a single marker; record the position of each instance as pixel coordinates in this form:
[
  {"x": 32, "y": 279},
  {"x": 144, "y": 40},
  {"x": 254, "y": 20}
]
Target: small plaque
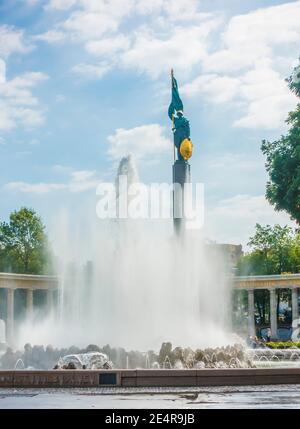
[{"x": 108, "y": 379}]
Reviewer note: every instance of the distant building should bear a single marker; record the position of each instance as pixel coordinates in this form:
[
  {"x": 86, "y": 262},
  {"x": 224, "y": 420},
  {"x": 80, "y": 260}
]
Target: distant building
[{"x": 231, "y": 252}]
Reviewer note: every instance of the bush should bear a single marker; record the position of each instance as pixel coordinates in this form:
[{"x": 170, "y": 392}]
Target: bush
[{"x": 283, "y": 345}]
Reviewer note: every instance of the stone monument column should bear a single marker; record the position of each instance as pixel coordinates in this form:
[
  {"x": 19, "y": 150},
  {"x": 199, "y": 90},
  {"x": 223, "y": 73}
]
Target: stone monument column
[
  {"x": 273, "y": 313},
  {"x": 251, "y": 310},
  {"x": 10, "y": 317},
  {"x": 181, "y": 175},
  {"x": 184, "y": 148}
]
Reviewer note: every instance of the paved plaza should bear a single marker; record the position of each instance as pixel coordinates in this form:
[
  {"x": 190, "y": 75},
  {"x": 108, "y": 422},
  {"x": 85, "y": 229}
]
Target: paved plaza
[{"x": 280, "y": 396}]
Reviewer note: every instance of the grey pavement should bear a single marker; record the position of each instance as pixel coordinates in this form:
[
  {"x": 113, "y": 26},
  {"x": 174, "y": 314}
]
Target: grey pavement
[{"x": 280, "y": 396}]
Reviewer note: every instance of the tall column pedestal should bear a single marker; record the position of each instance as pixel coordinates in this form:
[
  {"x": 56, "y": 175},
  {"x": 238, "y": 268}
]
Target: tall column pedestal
[{"x": 181, "y": 175}]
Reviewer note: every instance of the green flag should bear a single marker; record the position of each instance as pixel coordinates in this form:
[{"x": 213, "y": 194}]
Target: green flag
[{"x": 176, "y": 103}]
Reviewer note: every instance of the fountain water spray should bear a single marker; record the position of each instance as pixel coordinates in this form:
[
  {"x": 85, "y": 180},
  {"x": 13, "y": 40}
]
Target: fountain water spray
[{"x": 141, "y": 286}]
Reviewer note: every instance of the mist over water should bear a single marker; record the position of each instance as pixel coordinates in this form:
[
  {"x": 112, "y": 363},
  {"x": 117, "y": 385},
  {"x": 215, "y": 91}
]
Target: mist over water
[{"x": 134, "y": 284}]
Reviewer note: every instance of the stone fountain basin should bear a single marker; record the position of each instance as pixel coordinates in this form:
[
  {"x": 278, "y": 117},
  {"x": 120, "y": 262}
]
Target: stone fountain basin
[{"x": 148, "y": 378}]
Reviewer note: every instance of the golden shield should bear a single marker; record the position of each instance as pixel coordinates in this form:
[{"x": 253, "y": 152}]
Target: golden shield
[{"x": 186, "y": 149}]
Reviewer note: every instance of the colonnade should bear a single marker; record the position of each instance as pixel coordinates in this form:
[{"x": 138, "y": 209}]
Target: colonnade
[
  {"x": 273, "y": 284},
  {"x": 30, "y": 283}
]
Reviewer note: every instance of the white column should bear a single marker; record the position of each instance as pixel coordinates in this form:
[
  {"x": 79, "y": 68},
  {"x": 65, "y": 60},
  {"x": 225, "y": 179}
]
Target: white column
[
  {"x": 49, "y": 299},
  {"x": 295, "y": 308},
  {"x": 29, "y": 303},
  {"x": 273, "y": 313},
  {"x": 10, "y": 317},
  {"x": 251, "y": 321}
]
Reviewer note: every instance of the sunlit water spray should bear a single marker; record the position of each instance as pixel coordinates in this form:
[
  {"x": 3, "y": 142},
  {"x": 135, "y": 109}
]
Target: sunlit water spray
[{"x": 142, "y": 285}]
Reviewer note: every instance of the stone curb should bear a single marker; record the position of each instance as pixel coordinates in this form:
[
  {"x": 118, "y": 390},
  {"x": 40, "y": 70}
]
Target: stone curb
[{"x": 148, "y": 378}]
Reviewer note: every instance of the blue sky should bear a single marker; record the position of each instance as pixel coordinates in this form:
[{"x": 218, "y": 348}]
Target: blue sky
[{"x": 83, "y": 82}]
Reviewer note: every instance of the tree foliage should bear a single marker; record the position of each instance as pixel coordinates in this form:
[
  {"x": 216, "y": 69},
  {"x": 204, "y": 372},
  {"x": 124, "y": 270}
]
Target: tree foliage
[
  {"x": 24, "y": 245},
  {"x": 283, "y": 161},
  {"x": 274, "y": 250}
]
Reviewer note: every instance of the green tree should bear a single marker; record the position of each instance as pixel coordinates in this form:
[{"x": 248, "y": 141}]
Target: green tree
[
  {"x": 271, "y": 251},
  {"x": 24, "y": 246},
  {"x": 283, "y": 161},
  {"x": 294, "y": 254}
]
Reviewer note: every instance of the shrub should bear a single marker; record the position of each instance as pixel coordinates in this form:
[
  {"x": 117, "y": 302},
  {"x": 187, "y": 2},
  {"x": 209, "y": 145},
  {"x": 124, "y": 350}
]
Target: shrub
[{"x": 283, "y": 345}]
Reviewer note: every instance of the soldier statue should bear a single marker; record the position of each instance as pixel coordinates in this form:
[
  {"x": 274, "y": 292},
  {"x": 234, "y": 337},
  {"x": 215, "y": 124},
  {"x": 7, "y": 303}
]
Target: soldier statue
[{"x": 181, "y": 126}]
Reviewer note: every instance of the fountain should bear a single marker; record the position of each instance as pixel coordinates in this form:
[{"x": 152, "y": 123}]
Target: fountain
[
  {"x": 136, "y": 283},
  {"x": 18, "y": 363},
  {"x": 142, "y": 285},
  {"x": 131, "y": 282},
  {"x": 274, "y": 357},
  {"x": 167, "y": 363},
  {"x": 92, "y": 360}
]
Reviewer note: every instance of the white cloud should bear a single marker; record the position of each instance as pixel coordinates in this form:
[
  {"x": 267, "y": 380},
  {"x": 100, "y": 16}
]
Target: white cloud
[
  {"x": 267, "y": 99},
  {"x": 82, "y": 175},
  {"x": 143, "y": 48},
  {"x": 6, "y": 120},
  {"x": 255, "y": 60},
  {"x": 235, "y": 59},
  {"x": 33, "y": 188},
  {"x": 149, "y": 7},
  {"x": 182, "y": 48},
  {"x": 86, "y": 25},
  {"x": 78, "y": 181},
  {"x": 12, "y": 41},
  {"x": 51, "y": 36},
  {"x": 17, "y": 90},
  {"x": 219, "y": 89},
  {"x": 108, "y": 45},
  {"x": 2, "y": 71},
  {"x": 29, "y": 118},
  {"x": 92, "y": 18},
  {"x": 262, "y": 95},
  {"x": 176, "y": 32},
  {"x": 233, "y": 219},
  {"x": 144, "y": 141},
  {"x": 91, "y": 71},
  {"x": 18, "y": 105},
  {"x": 184, "y": 10},
  {"x": 177, "y": 11},
  {"x": 232, "y": 163},
  {"x": 255, "y": 36},
  {"x": 272, "y": 25},
  {"x": 60, "y": 4},
  {"x": 164, "y": 34}
]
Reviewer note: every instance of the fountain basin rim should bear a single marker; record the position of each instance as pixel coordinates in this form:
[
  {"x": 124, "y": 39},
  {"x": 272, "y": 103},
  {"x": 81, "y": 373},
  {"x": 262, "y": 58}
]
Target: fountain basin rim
[{"x": 148, "y": 377}]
